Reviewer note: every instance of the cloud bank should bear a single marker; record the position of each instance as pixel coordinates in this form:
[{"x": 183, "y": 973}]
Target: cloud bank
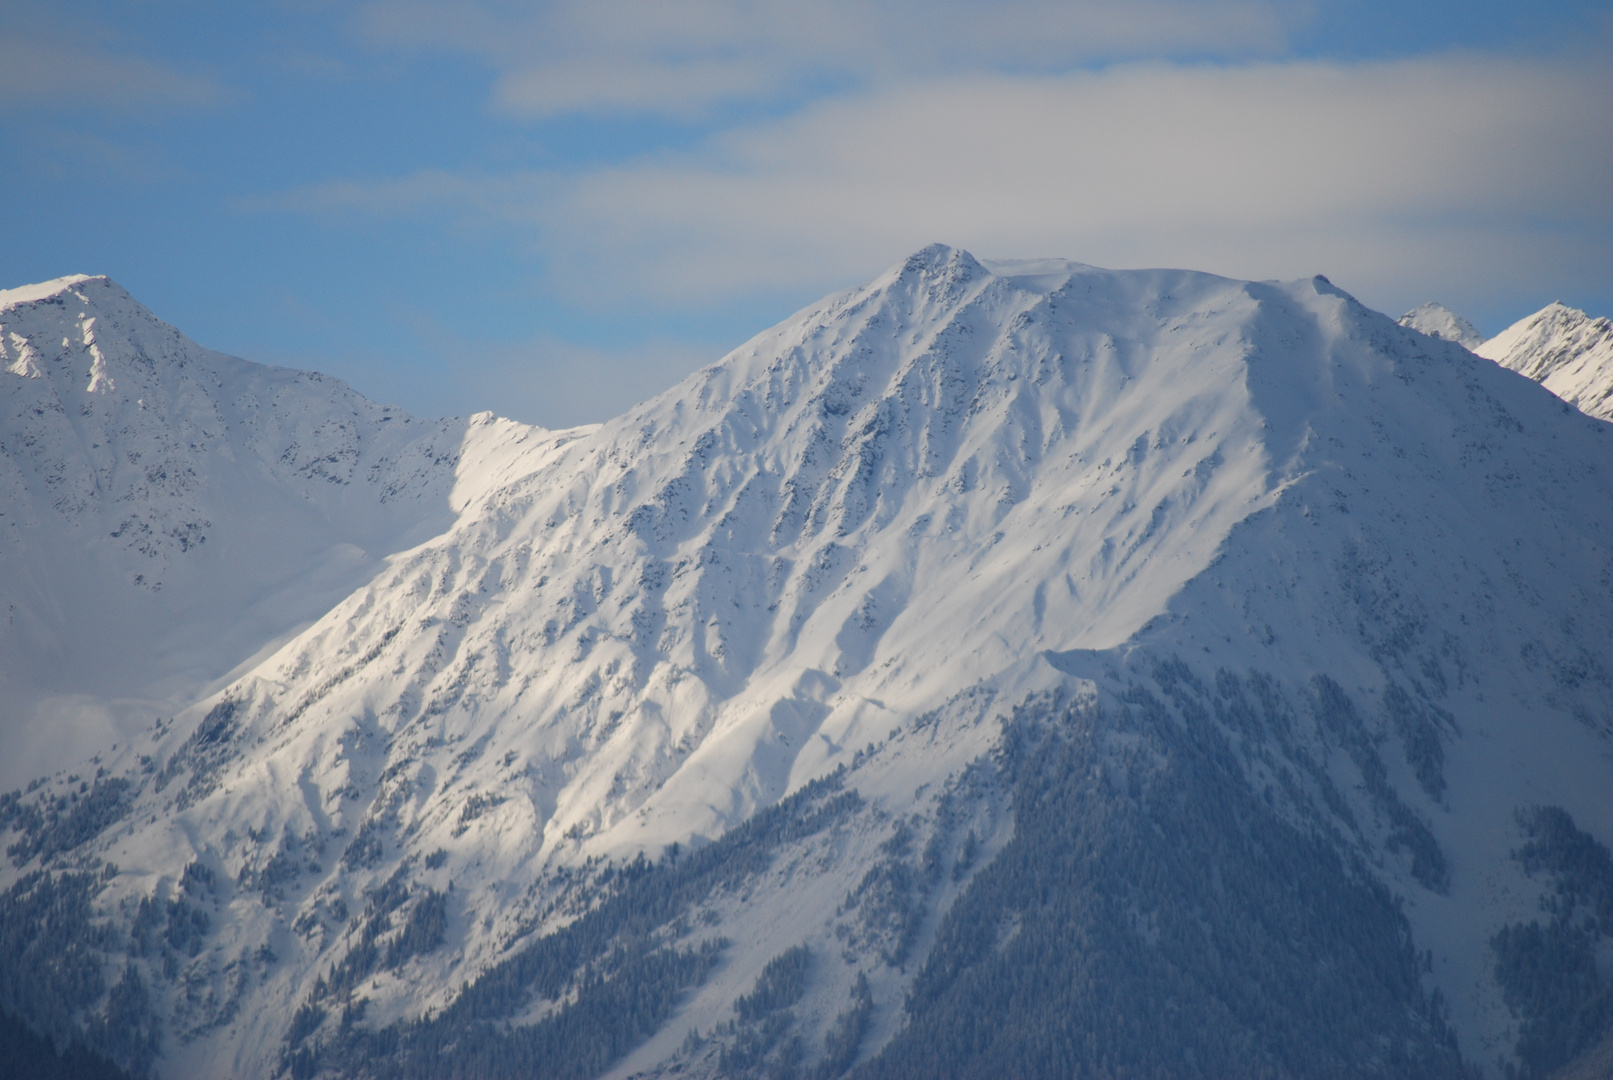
[
  {"x": 49, "y": 63},
  {"x": 683, "y": 57},
  {"x": 1464, "y": 170}
]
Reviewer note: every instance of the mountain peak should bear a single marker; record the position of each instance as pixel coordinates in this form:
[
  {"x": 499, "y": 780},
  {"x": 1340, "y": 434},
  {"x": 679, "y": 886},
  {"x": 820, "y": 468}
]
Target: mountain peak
[
  {"x": 942, "y": 261},
  {"x": 44, "y": 290},
  {"x": 168, "y": 509},
  {"x": 1567, "y": 351},
  {"x": 1438, "y": 321}
]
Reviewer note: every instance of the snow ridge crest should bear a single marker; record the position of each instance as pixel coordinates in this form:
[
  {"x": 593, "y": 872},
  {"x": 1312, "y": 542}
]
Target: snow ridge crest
[
  {"x": 1438, "y": 321},
  {"x": 1566, "y": 351}
]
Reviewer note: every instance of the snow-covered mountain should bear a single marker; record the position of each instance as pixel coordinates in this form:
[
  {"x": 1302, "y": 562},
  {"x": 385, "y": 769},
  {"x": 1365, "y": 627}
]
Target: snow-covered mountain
[
  {"x": 1563, "y": 349},
  {"x": 167, "y": 511},
  {"x": 1438, "y": 321},
  {"x": 1010, "y": 668}
]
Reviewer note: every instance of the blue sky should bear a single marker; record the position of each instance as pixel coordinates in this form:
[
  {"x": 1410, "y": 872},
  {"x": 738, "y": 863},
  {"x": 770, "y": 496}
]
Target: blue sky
[{"x": 554, "y": 210}]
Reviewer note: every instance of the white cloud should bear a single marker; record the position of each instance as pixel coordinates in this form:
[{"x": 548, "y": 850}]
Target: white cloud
[
  {"x": 683, "y": 57},
  {"x": 1258, "y": 170},
  {"x": 52, "y": 69},
  {"x": 1458, "y": 176}
]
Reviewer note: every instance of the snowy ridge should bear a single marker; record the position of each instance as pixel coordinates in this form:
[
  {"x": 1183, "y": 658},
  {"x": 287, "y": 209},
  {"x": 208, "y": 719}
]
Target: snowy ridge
[
  {"x": 1441, "y": 322},
  {"x": 168, "y": 510},
  {"x": 849, "y": 552},
  {"x": 673, "y": 601},
  {"x": 1566, "y": 351}
]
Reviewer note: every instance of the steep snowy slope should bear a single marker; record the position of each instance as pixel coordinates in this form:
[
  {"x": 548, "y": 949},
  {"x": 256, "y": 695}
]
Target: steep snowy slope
[
  {"x": 167, "y": 511},
  {"x": 1563, "y": 349},
  {"x": 1001, "y": 669},
  {"x": 1438, "y": 321}
]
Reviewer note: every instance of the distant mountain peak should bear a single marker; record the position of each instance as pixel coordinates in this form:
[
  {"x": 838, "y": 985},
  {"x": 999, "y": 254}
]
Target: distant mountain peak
[
  {"x": 1567, "y": 351},
  {"x": 1441, "y": 322},
  {"x": 166, "y": 510},
  {"x": 938, "y": 254}
]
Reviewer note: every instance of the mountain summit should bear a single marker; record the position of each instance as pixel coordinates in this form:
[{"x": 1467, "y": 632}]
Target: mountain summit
[
  {"x": 1562, "y": 348},
  {"x": 1566, "y": 351},
  {"x": 166, "y": 511},
  {"x": 1002, "y": 668},
  {"x": 1441, "y": 322}
]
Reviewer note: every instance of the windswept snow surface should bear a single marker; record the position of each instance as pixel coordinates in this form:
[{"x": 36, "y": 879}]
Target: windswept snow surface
[
  {"x": 166, "y": 512},
  {"x": 861, "y": 539},
  {"x": 1563, "y": 349},
  {"x": 1441, "y": 322},
  {"x": 898, "y": 493}
]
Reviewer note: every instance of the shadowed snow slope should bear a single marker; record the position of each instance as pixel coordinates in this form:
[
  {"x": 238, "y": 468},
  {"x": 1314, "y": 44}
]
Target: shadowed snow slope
[
  {"x": 1351, "y": 587},
  {"x": 1563, "y": 349},
  {"x": 168, "y": 511}
]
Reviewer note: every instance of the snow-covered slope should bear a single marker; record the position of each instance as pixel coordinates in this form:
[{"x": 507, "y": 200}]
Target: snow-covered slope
[
  {"x": 167, "y": 511},
  {"x": 872, "y": 619},
  {"x": 1438, "y": 321},
  {"x": 1563, "y": 349}
]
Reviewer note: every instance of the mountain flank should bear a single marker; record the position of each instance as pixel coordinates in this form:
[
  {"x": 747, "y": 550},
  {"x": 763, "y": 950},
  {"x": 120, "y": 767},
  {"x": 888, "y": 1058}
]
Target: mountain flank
[
  {"x": 1566, "y": 351},
  {"x": 1562, "y": 348},
  {"x": 1001, "y": 668},
  {"x": 166, "y": 512}
]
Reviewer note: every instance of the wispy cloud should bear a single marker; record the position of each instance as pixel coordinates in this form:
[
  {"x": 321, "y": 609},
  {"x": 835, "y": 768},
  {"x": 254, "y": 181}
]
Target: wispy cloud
[
  {"x": 66, "y": 151},
  {"x": 40, "y": 68},
  {"x": 1151, "y": 163},
  {"x": 683, "y": 57},
  {"x": 1455, "y": 171}
]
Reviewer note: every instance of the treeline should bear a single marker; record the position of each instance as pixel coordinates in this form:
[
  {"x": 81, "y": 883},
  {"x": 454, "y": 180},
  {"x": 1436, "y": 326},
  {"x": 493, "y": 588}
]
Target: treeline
[
  {"x": 365, "y": 955},
  {"x": 1153, "y": 916},
  {"x": 1337, "y": 716},
  {"x": 54, "y": 824},
  {"x": 611, "y": 972},
  {"x": 52, "y": 953},
  {"x": 25, "y": 1055},
  {"x": 203, "y": 754},
  {"x": 764, "y": 1019},
  {"x": 761, "y": 1042},
  {"x": 1548, "y": 971}
]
